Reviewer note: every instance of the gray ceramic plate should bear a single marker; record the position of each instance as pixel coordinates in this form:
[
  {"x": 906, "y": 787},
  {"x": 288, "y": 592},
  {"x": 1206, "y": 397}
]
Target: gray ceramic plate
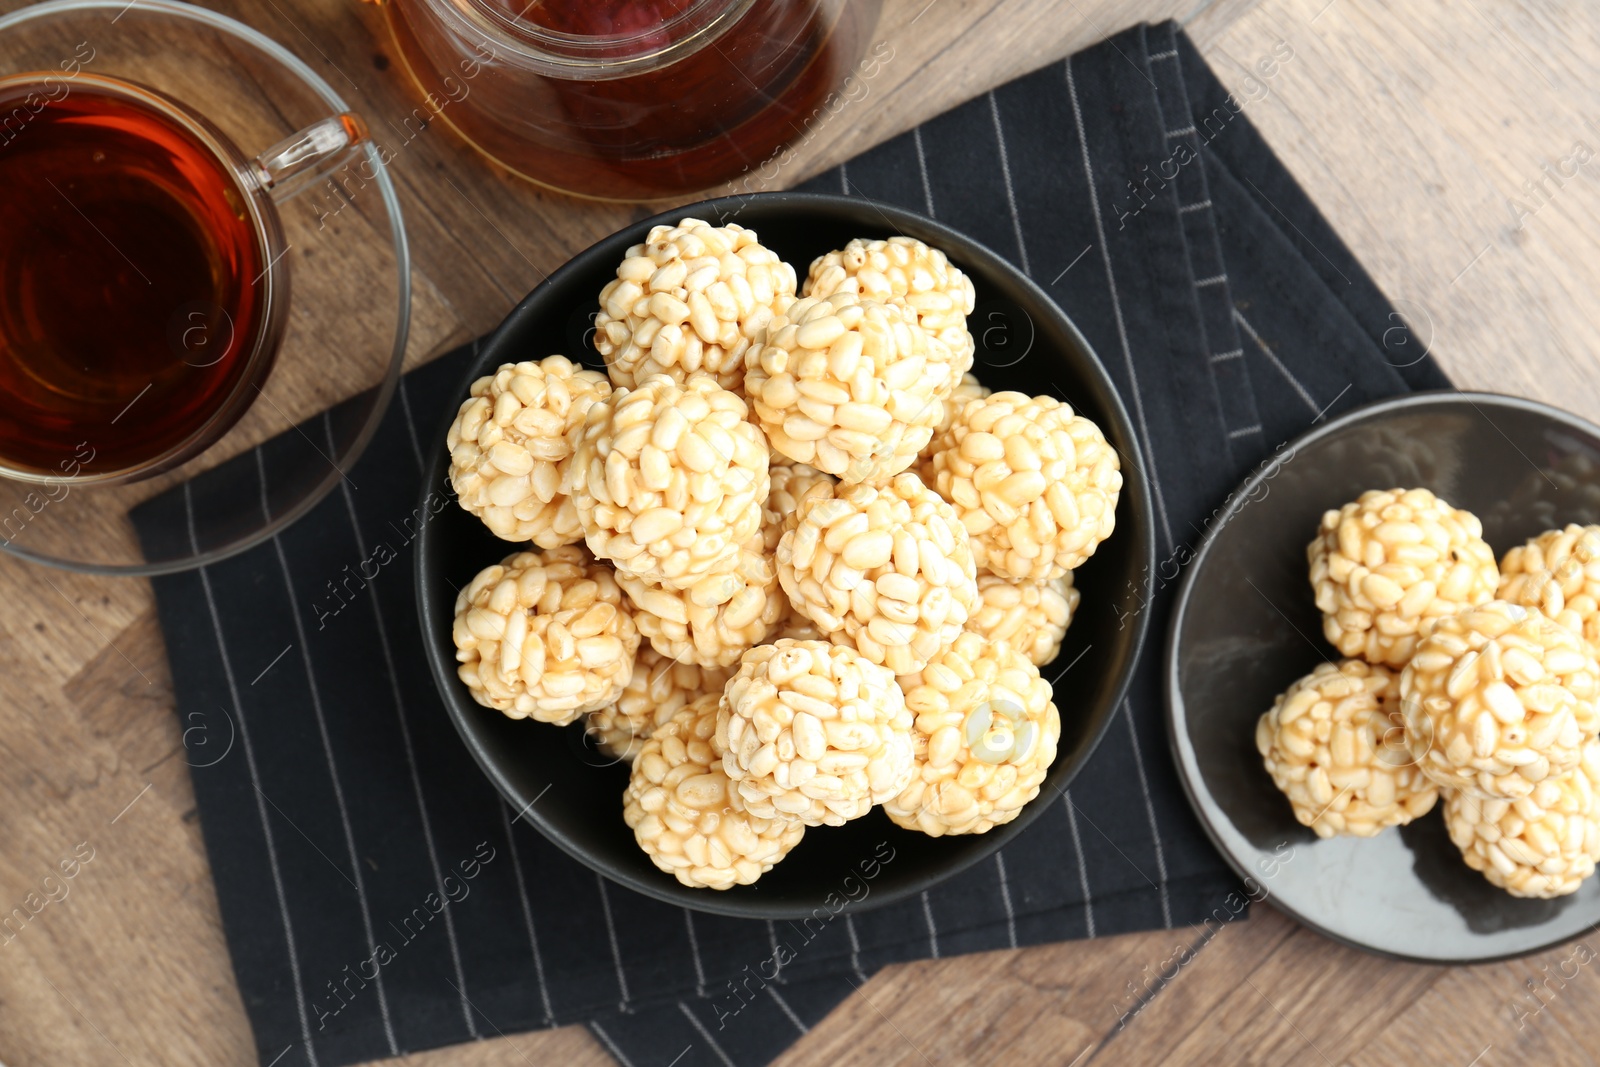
[{"x": 1245, "y": 627}]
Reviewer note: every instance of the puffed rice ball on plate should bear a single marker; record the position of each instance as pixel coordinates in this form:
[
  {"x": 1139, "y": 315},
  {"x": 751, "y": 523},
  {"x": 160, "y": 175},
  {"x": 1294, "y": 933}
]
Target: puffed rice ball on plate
[
  {"x": 813, "y": 731},
  {"x": 790, "y": 482},
  {"x": 669, "y": 480},
  {"x": 1035, "y": 484},
  {"x": 691, "y": 299},
  {"x": 886, "y": 570},
  {"x": 1334, "y": 743},
  {"x": 545, "y": 635},
  {"x": 1543, "y": 845},
  {"x": 1032, "y": 617},
  {"x": 969, "y": 388},
  {"x": 658, "y": 687},
  {"x": 686, "y": 815},
  {"x": 904, "y": 271},
  {"x": 715, "y": 620},
  {"x": 1497, "y": 699},
  {"x": 1557, "y": 572},
  {"x": 509, "y": 448},
  {"x": 986, "y": 731},
  {"x": 797, "y": 627},
  {"x": 1386, "y": 565},
  {"x": 847, "y": 386}
]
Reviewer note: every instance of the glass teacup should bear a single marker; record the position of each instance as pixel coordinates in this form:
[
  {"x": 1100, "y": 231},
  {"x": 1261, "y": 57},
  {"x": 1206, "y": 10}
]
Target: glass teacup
[
  {"x": 144, "y": 284},
  {"x": 148, "y": 330}
]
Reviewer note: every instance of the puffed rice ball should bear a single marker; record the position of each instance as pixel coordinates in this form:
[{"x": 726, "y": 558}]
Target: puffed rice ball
[
  {"x": 847, "y": 386},
  {"x": 1334, "y": 745},
  {"x": 904, "y": 271},
  {"x": 1388, "y": 563},
  {"x": 669, "y": 480},
  {"x": 813, "y": 731},
  {"x": 1035, "y": 485},
  {"x": 691, "y": 299},
  {"x": 1543, "y": 845},
  {"x": 687, "y": 817},
  {"x": 509, "y": 448},
  {"x": 715, "y": 620},
  {"x": 986, "y": 733},
  {"x": 969, "y": 388},
  {"x": 1499, "y": 698},
  {"x": 1032, "y": 617},
  {"x": 545, "y": 635},
  {"x": 886, "y": 570},
  {"x": 1557, "y": 572},
  {"x": 790, "y": 481},
  {"x": 658, "y": 687},
  {"x": 797, "y": 627}
]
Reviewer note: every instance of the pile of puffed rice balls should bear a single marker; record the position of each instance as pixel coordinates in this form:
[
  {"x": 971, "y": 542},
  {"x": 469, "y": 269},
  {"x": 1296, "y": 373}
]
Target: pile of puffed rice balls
[
  {"x": 787, "y": 558},
  {"x": 1465, "y": 679}
]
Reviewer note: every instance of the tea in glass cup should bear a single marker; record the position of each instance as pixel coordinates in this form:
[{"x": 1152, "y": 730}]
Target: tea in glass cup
[
  {"x": 143, "y": 286},
  {"x": 166, "y": 401}
]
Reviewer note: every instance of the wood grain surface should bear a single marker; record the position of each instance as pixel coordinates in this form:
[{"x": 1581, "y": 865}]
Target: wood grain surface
[{"x": 1419, "y": 126}]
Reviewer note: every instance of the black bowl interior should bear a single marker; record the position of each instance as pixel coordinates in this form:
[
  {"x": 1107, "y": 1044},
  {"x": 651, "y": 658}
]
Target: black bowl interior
[
  {"x": 569, "y": 790},
  {"x": 1246, "y": 627}
]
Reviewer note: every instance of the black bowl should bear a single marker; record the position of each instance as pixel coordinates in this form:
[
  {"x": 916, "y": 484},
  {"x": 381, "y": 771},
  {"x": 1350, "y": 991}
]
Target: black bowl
[
  {"x": 1245, "y": 627},
  {"x": 557, "y": 778}
]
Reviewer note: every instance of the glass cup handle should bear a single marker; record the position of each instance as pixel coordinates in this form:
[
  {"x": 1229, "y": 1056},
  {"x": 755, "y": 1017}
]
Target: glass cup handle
[{"x": 299, "y": 159}]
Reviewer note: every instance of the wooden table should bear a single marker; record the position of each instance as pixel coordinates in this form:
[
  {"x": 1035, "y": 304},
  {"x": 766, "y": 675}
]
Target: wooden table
[{"x": 1413, "y": 124}]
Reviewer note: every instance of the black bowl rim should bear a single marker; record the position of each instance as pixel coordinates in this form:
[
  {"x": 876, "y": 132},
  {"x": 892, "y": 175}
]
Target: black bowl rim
[
  {"x": 1183, "y": 753},
  {"x": 667, "y": 889}
]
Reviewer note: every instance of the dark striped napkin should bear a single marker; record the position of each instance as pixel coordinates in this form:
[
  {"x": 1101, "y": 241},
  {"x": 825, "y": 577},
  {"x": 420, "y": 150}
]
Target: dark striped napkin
[{"x": 377, "y": 895}]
